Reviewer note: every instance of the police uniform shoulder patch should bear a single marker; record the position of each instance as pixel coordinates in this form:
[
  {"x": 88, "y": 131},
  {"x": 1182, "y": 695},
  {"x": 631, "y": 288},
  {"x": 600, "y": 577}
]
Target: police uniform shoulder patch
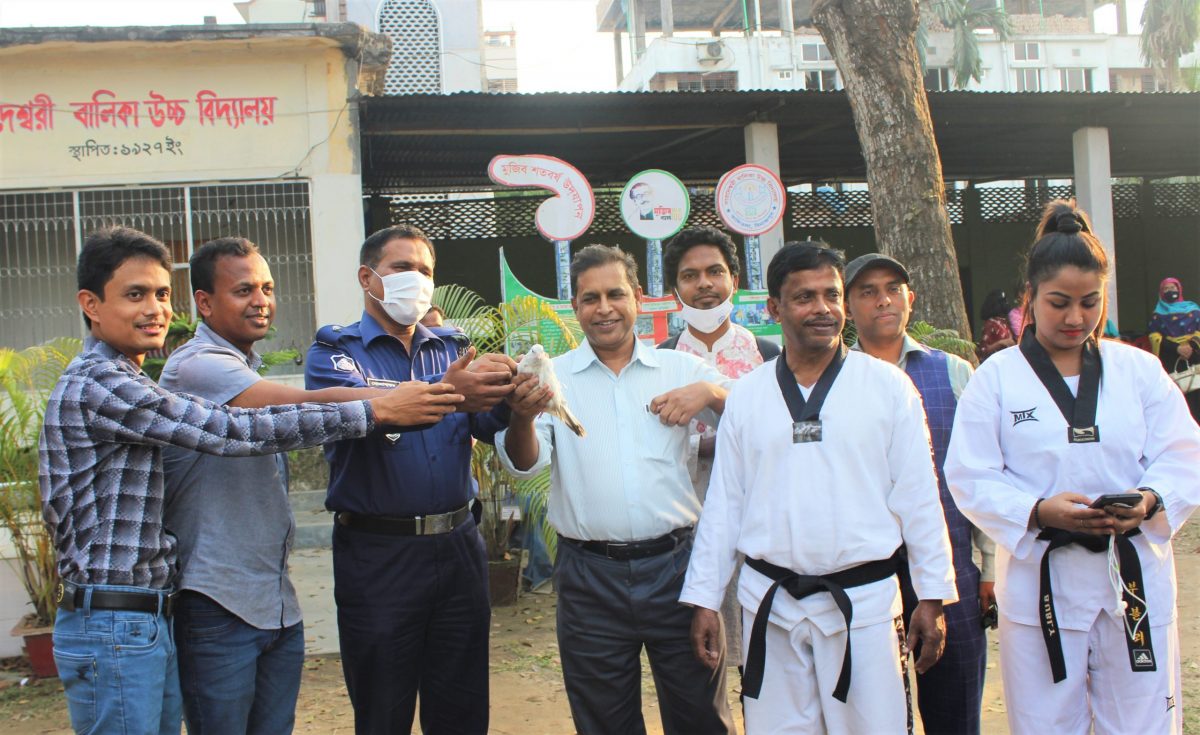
[{"x": 344, "y": 363}]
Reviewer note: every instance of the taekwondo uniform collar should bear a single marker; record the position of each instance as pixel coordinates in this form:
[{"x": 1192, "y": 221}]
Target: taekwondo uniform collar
[{"x": 584, "y": 356}]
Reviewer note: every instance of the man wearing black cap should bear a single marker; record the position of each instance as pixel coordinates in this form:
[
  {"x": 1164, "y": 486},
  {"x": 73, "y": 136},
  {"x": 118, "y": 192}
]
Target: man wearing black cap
[{"x": 879, "y": 300}]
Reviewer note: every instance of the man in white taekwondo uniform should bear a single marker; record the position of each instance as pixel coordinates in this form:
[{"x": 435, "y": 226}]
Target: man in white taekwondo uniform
[{"x": 823, "y": 470}]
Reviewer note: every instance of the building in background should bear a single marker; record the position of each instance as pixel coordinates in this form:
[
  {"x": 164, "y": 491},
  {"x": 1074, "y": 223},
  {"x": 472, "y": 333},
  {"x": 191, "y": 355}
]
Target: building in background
[
  {"x": 703, "y": 45},
  {"x": 188, "y": 133},
  {"x": 437, "y": 45},
  {"x": 500, "y": 60}
]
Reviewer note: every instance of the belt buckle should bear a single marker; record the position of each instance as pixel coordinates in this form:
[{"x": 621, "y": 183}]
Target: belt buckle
[
  {"x": 614, "y": 551},
  {"x": 168, "y": 604},
  {"x": 435, "y": 524}
]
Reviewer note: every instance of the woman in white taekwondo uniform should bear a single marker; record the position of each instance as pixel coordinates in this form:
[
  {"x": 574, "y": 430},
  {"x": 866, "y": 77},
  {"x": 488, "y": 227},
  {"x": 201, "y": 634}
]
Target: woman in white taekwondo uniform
[{"x": 1044, "y": 430}]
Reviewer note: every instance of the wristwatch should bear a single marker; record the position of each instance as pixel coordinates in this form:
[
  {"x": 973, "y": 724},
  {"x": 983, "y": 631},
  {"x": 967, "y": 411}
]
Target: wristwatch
[{"x": 1158, "y": 502}]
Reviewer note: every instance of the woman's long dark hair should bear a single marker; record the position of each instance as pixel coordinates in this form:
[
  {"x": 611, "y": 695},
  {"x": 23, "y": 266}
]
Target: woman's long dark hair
[{"x": 1064, "y": 237}]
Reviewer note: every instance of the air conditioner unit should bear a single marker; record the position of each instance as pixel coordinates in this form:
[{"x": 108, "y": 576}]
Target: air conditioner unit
[{"x": 711, "y": 51}]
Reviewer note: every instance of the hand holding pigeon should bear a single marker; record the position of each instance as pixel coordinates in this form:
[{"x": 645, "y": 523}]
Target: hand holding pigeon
[{"x": 538, "y": 364}]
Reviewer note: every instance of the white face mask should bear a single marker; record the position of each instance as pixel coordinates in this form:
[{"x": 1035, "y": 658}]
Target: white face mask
[
  {"x": 406, "y": 295},
  {"x": 706, "y": 320}
]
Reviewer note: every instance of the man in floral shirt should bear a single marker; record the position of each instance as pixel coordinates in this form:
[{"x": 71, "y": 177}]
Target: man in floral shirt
[{"x": 701, "y": 266}]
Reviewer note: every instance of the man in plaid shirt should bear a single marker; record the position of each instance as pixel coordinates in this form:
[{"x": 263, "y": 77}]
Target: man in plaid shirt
[{"x": 102, "y": 482}]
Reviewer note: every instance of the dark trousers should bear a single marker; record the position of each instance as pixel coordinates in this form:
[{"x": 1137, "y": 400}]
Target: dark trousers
[
  {"x": 607, "y": 611},
  {"x": 236, "y": 679},
  {"x": 950, "y": 695},
  {"x": 413, "y": 619}
]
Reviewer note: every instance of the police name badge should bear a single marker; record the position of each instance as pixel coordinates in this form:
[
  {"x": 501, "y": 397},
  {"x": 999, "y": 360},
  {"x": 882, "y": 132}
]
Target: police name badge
[
  {"x": 806, "y": 432},
  {"x": 382, "y": 383},
  {"x": 1083, "y": 434}
]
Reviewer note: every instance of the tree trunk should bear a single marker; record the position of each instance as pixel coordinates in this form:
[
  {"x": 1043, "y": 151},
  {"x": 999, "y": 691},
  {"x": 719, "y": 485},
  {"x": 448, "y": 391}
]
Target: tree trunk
[{"x": 874, "y": 44}]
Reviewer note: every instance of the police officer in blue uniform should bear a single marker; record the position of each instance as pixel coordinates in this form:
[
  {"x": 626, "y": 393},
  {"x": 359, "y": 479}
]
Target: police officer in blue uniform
[{"x": 410, "y": 570}]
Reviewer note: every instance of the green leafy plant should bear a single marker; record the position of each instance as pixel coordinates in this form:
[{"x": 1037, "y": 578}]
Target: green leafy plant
[
  {"x": 946, "y": 340},
  {"x": 962, "y": 18},
  {"x": 26, "y": 379},
  {"x": 183, "y": 328},
  {"x": 512, "y": 327}
]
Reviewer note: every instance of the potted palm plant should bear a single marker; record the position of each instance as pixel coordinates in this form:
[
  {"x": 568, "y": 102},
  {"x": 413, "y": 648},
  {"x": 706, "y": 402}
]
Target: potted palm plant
[
  {"x": 26, "y": 379},
  {"x": 512, "y": 327}
]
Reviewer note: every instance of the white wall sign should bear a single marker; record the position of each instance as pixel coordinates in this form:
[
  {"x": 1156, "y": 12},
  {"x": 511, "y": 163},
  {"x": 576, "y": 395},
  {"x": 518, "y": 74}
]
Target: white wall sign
[
  {"x": 567, "y": 214},
  {"x": 655, "y": 204},
  {"x": 750, "y": 199}
]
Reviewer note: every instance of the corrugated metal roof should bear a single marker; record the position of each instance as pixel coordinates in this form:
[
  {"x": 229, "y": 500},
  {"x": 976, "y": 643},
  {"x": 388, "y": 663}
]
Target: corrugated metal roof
[{"x": 446, "y": 141}]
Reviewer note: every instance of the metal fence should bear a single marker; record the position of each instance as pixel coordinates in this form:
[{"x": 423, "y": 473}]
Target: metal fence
[
  {"x": 507, "y": 216},
  {"x": 41, "y": 234}
]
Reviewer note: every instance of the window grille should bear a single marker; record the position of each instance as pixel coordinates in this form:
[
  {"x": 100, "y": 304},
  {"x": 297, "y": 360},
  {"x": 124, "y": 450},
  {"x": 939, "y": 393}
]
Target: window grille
[
  {"x": 276, "y": 217},
  {"x": 158, "y": 212},
  {"x": 41, "y": 233},
  {"x": 37, "y": 268},
  {"x": 416, "y": 33}
]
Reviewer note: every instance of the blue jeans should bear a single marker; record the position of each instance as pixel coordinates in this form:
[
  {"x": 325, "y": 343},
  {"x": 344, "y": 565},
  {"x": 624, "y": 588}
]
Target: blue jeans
[
  {"x": 118, "y": 668},
  {"x": 236, "y": 678}
]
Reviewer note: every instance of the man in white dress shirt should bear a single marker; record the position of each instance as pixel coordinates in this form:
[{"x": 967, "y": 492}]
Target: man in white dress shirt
[
  {"x": 823, "y": 470},
  {"x": 623, "y": 505}
]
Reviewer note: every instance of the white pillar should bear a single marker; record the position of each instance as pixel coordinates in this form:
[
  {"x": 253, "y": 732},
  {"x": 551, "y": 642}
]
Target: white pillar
[
  {"x": 1093, "y": 192},
  {"x": 337, "y": 235},
  {"x": 762, "y": 148}
]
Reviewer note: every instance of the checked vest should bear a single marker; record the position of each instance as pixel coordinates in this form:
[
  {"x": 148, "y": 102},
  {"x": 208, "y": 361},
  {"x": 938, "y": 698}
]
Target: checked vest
[{"x": 928, "y": 371}]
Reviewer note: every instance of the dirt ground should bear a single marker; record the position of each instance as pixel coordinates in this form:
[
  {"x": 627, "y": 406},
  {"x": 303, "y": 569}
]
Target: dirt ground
[{"x": 527, "y": 691}]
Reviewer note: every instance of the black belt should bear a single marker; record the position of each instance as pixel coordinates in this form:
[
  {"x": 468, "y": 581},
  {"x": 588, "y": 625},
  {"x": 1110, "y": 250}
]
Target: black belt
[
  {"x": 430, "y": 525},
  {"x": 801, "y": 586},
  {"x": 1141, "y": 649},
  {"x": 71, "y": 597},
  {"x": 628, "y": 551}
]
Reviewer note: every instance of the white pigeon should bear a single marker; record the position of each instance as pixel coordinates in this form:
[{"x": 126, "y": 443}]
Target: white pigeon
[{"x": 538, "y": 363}]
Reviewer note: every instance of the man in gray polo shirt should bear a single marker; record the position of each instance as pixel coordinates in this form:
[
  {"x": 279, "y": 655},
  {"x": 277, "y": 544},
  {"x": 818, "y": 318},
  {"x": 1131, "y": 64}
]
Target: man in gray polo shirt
[{"x": 237, "y": 624}]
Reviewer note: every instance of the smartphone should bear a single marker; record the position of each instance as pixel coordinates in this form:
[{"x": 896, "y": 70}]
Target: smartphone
[{"x": 1120, "y": 500}]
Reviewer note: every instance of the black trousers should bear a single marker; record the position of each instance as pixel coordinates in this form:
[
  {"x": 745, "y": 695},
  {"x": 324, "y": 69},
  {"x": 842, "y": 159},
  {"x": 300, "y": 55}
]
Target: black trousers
[
  {"x": 413, "y": 619},
  {"x": 607, "y": 612}
]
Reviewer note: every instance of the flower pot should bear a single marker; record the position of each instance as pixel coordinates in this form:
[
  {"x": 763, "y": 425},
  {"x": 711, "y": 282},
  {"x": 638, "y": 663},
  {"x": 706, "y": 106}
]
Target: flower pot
[
  {"x": 504, "y": 579},
  {"x": 39, "y": 647}
]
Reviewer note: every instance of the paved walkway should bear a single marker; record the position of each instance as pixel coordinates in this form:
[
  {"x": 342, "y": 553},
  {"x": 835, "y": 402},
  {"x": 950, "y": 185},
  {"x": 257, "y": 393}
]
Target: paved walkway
[{"x": 312, "y": 573}]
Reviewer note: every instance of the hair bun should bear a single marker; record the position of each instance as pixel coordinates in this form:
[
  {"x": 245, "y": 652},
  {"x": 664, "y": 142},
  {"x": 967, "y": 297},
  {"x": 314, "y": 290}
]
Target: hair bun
[{"x": 1068, "y": 223}]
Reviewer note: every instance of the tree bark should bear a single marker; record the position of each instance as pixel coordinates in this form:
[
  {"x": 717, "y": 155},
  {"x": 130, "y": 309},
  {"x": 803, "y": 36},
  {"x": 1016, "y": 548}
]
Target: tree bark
[{"x": 874, "y": 45}]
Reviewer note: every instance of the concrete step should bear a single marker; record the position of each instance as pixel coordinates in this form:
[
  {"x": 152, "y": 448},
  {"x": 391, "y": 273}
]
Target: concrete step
[
  {"x": 306, "y": 500},
  {"x": 314, "y": 534},
  {"x": 314, "y": 524}
]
